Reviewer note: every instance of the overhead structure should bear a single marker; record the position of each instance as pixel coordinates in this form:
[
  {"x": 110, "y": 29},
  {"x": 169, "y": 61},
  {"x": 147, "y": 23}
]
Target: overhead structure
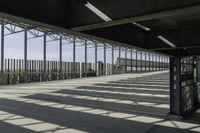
[{"x": 175, "y": 20}]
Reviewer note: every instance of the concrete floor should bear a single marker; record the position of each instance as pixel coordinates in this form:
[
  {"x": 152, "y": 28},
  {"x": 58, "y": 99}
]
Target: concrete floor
[{"x": 124, "y": 103}]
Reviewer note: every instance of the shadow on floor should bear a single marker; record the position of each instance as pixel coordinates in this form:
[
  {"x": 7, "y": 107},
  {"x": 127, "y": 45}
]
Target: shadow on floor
[{"x": 96, "y": 109}]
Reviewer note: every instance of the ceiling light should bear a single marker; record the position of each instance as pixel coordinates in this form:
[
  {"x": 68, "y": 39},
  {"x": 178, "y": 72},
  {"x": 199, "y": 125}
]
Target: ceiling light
[
  {"x": 141, "y": 26},
  {"x": 98, "y": 12},
  {"x": 166, "y": 41}
]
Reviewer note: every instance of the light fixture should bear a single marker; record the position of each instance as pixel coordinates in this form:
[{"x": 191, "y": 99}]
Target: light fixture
[
  {"x": 166, "y": 41},
  {"x": 141, "y": 26},
  {"x": 98, "y": 12}
]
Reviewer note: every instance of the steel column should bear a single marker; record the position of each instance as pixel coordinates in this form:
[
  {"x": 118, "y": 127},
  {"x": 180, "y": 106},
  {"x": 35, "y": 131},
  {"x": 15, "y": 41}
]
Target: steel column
[
  {"x": 120, "y": 58},
  {"x": 2, "y": 50},
  {"x": 44, "y": 57},
  {"x": 149, "y": 61},
  {"x": 136, "y": 56},
  {"x": 154, "y": 61},
  {"x": 25, "y": 57},
  {"x": 96, "y": 59},
  {"x": 162, "y": 62},
  {"x": 131, "y": 60},
  {"x": 104, "y": 59},
  {"x": 125, "y": 60},
  {"x": 74, "y": 57},
  {"x": 60, "y": 74},
  {"x": 159, "y": 62},
  {"x": 112, "y": 59},
  {"x": 145, "y": 54},
  {"x": 85, "y": 58},
  {"x": 141, "y": 61}
]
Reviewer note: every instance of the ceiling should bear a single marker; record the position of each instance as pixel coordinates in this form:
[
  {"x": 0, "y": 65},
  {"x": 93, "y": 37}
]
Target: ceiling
[{"x": 178, "y": 21}]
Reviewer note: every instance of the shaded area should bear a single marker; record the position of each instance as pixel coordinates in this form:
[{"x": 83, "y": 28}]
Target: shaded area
[{"x": 70, "y": 106}]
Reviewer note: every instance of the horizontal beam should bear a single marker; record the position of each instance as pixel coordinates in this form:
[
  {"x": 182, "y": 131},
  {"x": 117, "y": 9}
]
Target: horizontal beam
[
  {"x": 169, "y": 13},
  {"x": 195, "y": 51},
  {"x": 180, "y": 46}
]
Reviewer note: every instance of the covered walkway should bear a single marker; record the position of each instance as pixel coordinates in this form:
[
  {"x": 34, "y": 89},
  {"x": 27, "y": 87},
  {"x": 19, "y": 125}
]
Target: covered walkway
[{"x": 117, "y": 103}]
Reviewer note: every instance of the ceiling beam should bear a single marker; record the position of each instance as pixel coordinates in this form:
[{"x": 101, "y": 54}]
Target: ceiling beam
[
  {"x": 169, "y": 13},
  {"x": 192, "y": 51},
  {"x": 188, "y": 46}
]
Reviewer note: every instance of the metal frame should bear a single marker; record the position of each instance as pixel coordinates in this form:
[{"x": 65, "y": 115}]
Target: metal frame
[{"x": 31, "y": 32}]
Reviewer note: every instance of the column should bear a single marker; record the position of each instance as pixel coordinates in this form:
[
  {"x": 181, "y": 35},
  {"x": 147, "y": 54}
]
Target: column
[
  {"x": 96, "y": 59},
  {"x": 112, "y": 59},
  {"x": 120, "y": 59},
  {"x": 44, "y": 57},
  {"x": 131, "y": 60},
  {"x": 85, "y": 59},
  {"x": 25, "y": 57},
  {"x": 2, "y": 50},
  {"x": 125, "y": 60},
  {"x": 74, "y": 57},
  {"x": 141, "y": 64},
  {"x": 60, "y": 58},
  {"x": 149, "y": 61},
  {"x": 136, "y": 54},
  {"x": 104, "y": 60},
  {"x": 145, "y": 54}
]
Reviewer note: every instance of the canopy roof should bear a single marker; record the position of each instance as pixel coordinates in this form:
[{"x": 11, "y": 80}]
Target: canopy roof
[{"x": 166, "y": 26}]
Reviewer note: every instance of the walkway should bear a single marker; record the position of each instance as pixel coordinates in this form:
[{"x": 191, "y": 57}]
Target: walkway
[{"x": 110, "y": 104}]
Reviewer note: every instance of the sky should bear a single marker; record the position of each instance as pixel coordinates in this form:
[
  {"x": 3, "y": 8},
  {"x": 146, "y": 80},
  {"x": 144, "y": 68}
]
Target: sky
[{"x": 14, "y": 49}]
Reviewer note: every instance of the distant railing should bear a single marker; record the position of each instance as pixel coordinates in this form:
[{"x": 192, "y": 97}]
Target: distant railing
[{"x": 14, "y": 70}]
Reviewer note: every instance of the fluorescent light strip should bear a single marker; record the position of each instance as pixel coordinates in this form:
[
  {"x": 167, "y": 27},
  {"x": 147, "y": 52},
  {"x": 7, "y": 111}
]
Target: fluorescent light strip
[
  {"x": 166, "y": 41},
  {"x": 141, "y": 26},
  {"x": 98, "y": 12}
]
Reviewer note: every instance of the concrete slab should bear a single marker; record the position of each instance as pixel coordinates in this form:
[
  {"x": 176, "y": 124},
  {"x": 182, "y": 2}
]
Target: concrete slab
[{"x": 124, "y": 103}]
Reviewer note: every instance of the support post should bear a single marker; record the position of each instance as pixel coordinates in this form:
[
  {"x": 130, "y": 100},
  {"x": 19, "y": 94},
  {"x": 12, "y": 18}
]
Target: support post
[
  {"x": 104, "y": 59},
  {"x": 145, "y": 54},
  {"x": 95, "y": 59},
  {"x": 162, "y": 62},
  {"x": 25, "y": 57},
  {"x": 159, "y": 62},
  {"x": 44, "y": 57},
  {"x": 125, "y": 60},
  {"x": 149, "y": 61},
  {"x": 2, "y": 50},
  {"x": 60, "y": 72},
  {"x": 175, "y": 86},
  {"x": 112, "y": 59},
  {"x": 141, "y": 64},
  {"x": 131, "y": 60},
  {"x": 120, "y": 59},
  {"x": 136, "y": 54},
  {"x": 86, "y": 59},
  {"x": 74, "y": 57},
  {"x": 154, "y": 63}
]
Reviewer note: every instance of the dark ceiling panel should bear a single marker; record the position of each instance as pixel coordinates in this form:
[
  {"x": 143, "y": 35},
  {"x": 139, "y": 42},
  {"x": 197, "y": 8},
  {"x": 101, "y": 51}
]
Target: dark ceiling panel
[
  {"x": 118, "y": 9},
  {"x": 73, "y": 13},
  {"x": 47, "y": 11},
  {"x": 183, "y": 30},
  {"x": 123, "y": 33}
]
